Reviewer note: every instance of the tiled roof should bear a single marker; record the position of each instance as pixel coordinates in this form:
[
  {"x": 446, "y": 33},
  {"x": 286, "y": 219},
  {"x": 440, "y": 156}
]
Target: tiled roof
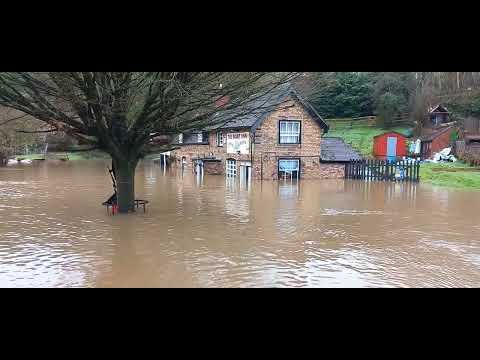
[
  {"x": 334, "y": 149},
  {"x": 390, "y": 132},
  {"x": 266, "y": 104},
  {"x": 438, "y": 108},
  {"x": 430, "y": 137}
]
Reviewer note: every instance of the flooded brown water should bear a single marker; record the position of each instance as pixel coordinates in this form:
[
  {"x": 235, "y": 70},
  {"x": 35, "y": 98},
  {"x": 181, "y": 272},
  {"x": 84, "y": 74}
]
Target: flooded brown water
[{"x": 210, "y": 233}]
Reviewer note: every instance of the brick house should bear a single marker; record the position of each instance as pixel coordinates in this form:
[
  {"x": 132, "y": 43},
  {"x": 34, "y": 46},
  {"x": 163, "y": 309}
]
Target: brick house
[{"x": 283, "y": 142}]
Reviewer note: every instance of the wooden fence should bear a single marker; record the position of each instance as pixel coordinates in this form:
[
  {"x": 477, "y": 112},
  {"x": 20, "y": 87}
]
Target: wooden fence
[
  {"x": 365, "y": 121},
  {"x": 383, "y": 170}
]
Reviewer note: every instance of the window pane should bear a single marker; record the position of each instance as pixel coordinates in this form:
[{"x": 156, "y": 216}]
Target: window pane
[
  {"x": 288, "y": 165},
  {"x": 231, "y": 168},
  {"x": 296, "y": 127},
  {"x": 289, "y": 132}
]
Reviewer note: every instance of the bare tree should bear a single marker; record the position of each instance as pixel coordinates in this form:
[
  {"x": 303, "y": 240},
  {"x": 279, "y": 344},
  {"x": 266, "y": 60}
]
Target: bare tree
[
  {"x": 15, "y": 128},
  {"x": 131, "y": 114}
]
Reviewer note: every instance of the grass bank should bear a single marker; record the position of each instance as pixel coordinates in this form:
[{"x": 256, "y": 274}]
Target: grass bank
[
  {"x": 454, "y": 175},
  {"x": 361, "y": 139},
  {"x": 73, "y": 156}
]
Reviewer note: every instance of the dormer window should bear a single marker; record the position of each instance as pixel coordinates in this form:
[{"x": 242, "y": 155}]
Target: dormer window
[{"x": 289, "y": 132}]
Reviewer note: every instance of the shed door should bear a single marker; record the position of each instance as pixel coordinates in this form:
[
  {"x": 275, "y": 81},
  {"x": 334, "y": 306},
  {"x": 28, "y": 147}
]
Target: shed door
[{"x": 391, "y": 146}]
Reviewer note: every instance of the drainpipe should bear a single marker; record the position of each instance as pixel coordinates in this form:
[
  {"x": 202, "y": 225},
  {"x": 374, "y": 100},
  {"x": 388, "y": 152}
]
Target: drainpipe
[
  {"x": 252, "y": 147},
  {"x": 252, "y": 139}
]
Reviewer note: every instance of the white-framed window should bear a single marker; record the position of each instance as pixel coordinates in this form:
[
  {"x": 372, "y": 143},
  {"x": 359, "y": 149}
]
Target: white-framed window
[
  {"x": 231, "y": 168},
  {"x": 289, "y": 132},
  {"x": 289, "y": 169},
  {"x": 199, "y": 137},
  {"x": 220, "y": 138},
  {"x": 180, "y": 138}
]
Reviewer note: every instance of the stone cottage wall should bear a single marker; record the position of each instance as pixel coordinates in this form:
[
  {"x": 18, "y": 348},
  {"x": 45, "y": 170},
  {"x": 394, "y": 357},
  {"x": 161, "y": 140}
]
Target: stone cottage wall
[
  {"x": 267, "y": 150},
  {"x": 194, "y": 151}
]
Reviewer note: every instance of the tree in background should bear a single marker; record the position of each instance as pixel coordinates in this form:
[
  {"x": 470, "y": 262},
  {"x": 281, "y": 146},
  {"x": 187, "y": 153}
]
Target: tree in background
[
  {"x": 131, "y": 114},
  {"x": 356, "y": 94},
  {"x": 393, "y": 92},
  {"x": 459, "y": 91},
  {"x": 340, "y": 94},
  {"x": 15, "y": 136},
  {"x": 388, "y": 106},
  {"x": 388, "y": 94}
]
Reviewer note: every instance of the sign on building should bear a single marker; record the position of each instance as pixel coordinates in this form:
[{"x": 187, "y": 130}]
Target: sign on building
[{"x": 238, "y": 143}]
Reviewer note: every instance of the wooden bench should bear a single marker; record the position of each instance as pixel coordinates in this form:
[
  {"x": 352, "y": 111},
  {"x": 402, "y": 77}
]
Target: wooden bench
[
  {"x": 113, "y": 206},
  {"x": 143, "y": 203}
]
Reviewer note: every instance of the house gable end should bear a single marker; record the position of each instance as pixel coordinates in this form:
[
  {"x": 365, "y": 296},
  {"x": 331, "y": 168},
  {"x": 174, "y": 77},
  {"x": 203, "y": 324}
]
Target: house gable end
[{"x": 305, "y": 105}]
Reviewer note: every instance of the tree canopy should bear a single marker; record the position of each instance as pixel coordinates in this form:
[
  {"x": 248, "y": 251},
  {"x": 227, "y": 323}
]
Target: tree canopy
[{"x": 342, "y": 94}]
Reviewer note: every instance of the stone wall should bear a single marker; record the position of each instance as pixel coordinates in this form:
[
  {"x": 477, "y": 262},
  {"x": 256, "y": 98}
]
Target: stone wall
[
  {"x": 332, "y": 171},
  {"x": 214, "y": 167}
]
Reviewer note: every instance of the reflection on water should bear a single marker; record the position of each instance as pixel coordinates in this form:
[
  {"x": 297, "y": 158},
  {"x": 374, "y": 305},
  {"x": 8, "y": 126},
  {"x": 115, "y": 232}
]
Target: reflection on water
[
  {"x": 205, "y": 231},
  {"x": 237, "y": 200}
]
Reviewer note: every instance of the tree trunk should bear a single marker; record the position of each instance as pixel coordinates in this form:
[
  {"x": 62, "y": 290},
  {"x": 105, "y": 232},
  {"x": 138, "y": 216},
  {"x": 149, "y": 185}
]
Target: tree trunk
[{"x": 125, "y": 177}]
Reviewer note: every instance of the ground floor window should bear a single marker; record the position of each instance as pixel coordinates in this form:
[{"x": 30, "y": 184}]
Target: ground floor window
[
  {"x": 231, "y": 168},
  {"x": 289, "y": 169}
]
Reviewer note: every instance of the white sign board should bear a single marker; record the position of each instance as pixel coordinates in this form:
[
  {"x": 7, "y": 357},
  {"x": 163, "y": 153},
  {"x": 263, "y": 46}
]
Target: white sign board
[{"x": 238, "y": 143}]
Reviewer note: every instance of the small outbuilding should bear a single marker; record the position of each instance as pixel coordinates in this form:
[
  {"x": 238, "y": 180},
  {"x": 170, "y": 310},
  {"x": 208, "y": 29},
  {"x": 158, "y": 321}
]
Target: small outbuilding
[
  {"x": 390, "y": 145},
  {"x": 436, "y": 141},
  {"x": 437, "y": 116}
]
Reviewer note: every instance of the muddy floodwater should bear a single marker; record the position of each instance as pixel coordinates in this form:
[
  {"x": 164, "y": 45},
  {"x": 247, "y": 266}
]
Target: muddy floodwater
[{"x": 212, "y": 232}]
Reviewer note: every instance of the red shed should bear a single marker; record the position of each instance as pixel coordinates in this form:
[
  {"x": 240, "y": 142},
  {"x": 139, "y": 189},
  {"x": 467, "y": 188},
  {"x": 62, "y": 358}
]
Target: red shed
[
  {"x": 390, "y": 145},
  {"x": 436, "y": 141}
]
